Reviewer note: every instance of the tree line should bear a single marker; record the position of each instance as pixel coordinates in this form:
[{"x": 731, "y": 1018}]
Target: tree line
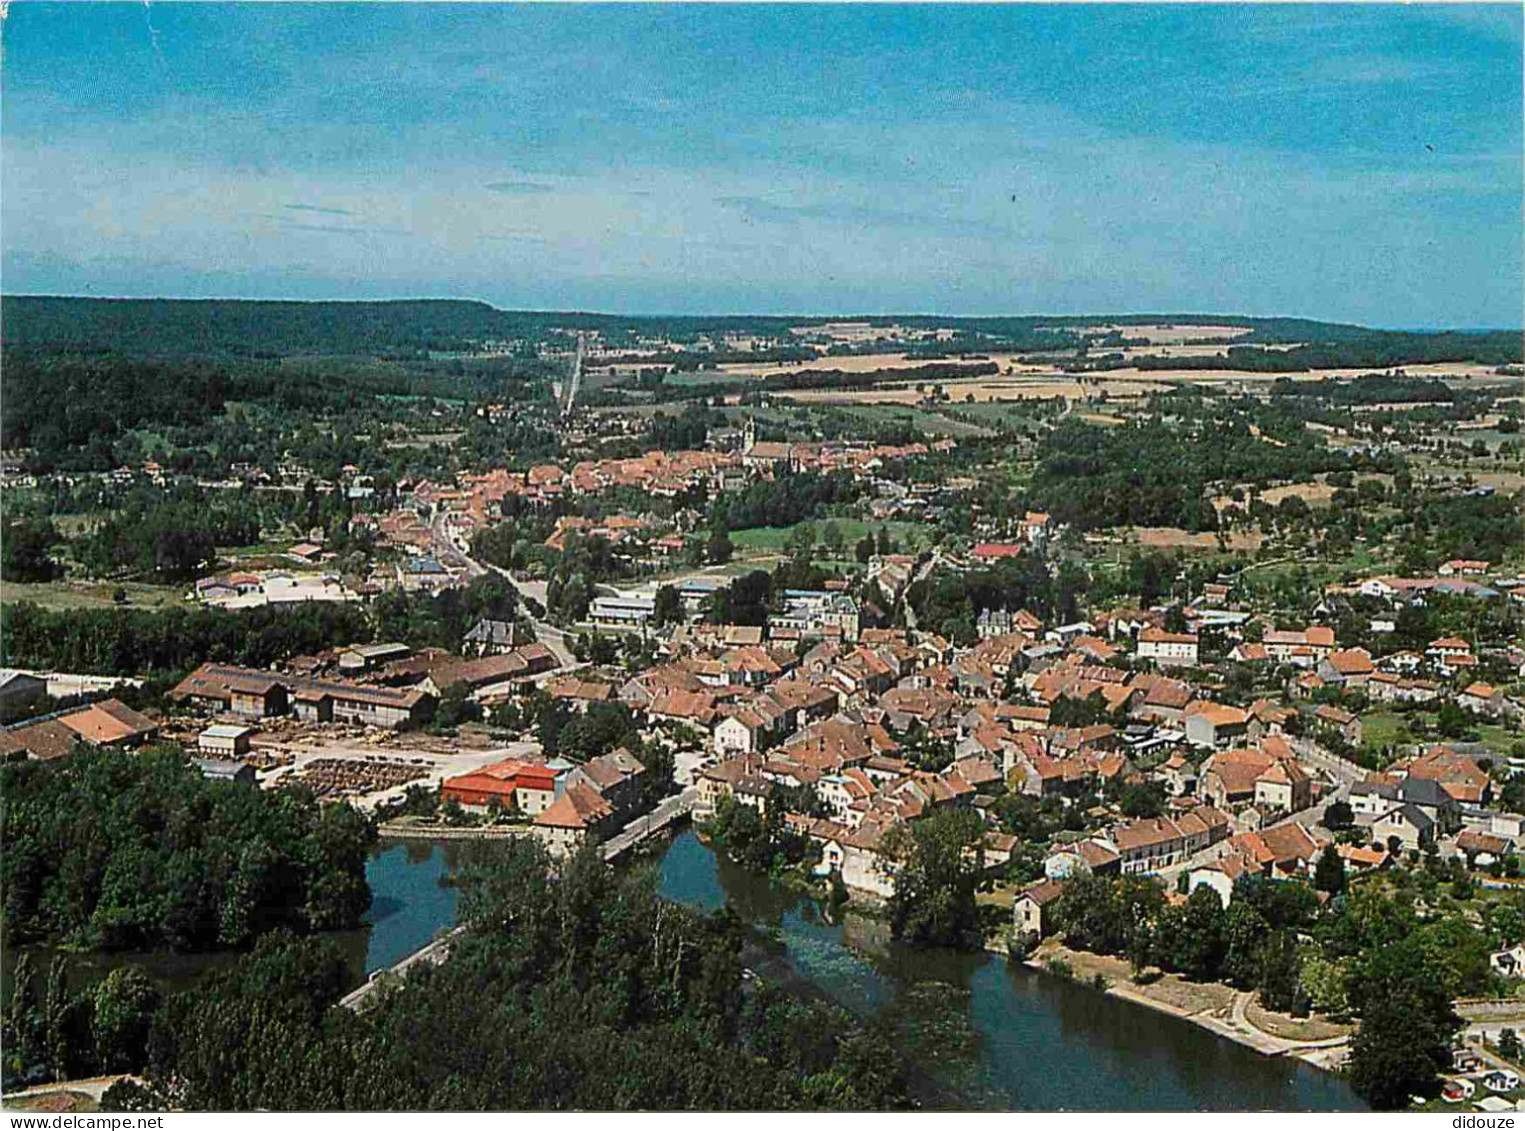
[
  {"x": 130, "y": 850},
  {"x": 568, "y": 991},
  {"x": 1393, "y": 952}
]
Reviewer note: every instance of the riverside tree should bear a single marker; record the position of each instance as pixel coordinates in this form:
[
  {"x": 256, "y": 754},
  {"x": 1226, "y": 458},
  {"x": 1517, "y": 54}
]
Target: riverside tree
[{"x": 942, "y": 857}]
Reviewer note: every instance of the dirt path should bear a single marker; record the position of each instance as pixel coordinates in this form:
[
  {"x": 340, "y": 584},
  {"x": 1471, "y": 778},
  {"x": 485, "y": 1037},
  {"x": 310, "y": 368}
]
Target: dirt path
[{"x": 1218, "y": 1008}]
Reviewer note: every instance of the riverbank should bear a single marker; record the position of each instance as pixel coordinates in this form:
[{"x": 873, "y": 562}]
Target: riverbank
[
  {"x": 402, "y": 830},
  {"x": 1233, "y": 1014},
  {"x": 1038, "y": 1042}
]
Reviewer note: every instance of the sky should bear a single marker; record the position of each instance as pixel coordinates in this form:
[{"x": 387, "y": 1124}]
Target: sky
[{"x": 1358, "y": 164}]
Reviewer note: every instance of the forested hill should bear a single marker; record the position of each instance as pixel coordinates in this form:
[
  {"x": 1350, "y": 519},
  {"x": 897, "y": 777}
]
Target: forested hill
[
  {"x": 209, "y": 328},
  {"x": 187, "y": 327}
]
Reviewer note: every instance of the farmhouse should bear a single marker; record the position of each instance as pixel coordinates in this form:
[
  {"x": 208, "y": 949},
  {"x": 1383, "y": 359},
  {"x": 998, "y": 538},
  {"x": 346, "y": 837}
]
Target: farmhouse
[
  {"x": 107, "y": 723},
  {"x": 1030, "y": 911}
]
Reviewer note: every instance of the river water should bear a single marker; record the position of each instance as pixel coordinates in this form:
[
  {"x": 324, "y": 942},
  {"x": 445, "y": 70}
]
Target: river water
[
  {"x": 409, "y": 906},
  {"x": 996, "y": 1035},
  {"x": 1039, "y": 1042}
]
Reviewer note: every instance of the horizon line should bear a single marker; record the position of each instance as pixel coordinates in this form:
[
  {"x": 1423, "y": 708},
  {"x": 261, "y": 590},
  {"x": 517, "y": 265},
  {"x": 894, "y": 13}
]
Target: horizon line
[{"x": 719, "y": 315}]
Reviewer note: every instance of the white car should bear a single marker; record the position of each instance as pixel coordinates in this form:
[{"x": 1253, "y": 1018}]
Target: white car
[{"x": 1500, "y": 1080}]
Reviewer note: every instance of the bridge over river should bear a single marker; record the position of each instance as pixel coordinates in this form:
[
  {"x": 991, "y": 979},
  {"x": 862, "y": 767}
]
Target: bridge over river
[{"x": 669, "y": 811}]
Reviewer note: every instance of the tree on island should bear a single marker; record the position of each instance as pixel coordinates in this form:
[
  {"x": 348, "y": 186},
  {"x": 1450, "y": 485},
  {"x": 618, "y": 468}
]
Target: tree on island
[
  {"x": 762, "y": 842},
  {"x": 571, "y": 987}
]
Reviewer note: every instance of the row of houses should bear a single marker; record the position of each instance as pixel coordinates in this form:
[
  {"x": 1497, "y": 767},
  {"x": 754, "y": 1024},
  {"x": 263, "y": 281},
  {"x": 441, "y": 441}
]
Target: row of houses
[
  {"x": 107, "y": 723},
  {"x": 253, "y": 694}
]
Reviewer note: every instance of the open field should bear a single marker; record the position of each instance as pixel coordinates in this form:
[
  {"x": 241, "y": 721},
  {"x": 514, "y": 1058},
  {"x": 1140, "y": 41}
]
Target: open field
[
  {"x": 734, "y": 568},
  {"x": 1294, "y": 1028},
  {"x": 775, "y": 538},
  {"x": 1171, "y": 991},
  {"x": 1103, "y": 419},
  {"x": 1384, "y": 727},
  {"x": 927, "y": 422},
  {"x": 985, "y": 389},
  {"x": 1505, "y": 481},
  {"x": 425, "y": 440},
  {"x": 60, "y": 595},
  {"x": 1172, "y": 538},
  {"x": 860, "y": 363},
  {"x": 1314, "y": 494},
  {"x": 1130, "y": 353},
  {"x": 1164, "y": 333},
  {"x": 1018, "y": 381},
  {"x": 722, "y": 376}
]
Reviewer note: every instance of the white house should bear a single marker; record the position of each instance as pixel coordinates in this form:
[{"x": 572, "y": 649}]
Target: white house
[{"x": 1167, "y": 649}]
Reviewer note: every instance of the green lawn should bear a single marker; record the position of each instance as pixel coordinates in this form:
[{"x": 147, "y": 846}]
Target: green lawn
[
  {"x": 1497, "y": 737},
  {"x": 61, "y": 595},
  {"x": 922, "y": 420},
  {"x": 705, "y": 377},
  {"x": 1380, "y": 728},
  {"x": 907, "y": 535}
]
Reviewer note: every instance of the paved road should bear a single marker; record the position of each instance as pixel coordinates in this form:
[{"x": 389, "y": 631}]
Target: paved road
[
  {"x": 435, "y": 953},
  {"x": 574, "y": 382},
  {"x": 449, "y": 553},
  {"x": 658, "y": 819}
]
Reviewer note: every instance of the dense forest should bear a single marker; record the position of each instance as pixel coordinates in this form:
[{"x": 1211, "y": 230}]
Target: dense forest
[
  {"x": 275, "y": 328},
  {"x": 950, "y": 603},
  {"x": 259, "y": 329},
  {"x": 90, "y": 411},
  {"x": 1372, "y": 388},
  {"x": 577, "y": 991},
  {"x": 787, "y": 499},
  {"x": 146, "y": 642},
  {"x": 130, "y": 850},
  {"x": 1156, "y": 474},
  {"x": 412, "y": 327},
  {"x": 1486, "y": 527}
]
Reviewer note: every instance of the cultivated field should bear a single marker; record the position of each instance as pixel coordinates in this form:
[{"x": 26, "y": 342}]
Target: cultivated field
[
  {"x": 1174, "y": 538},
  {"x": 984, "y": 389},
  {"x": 1164, "y": 334},
  {"x": 865, "y": 363}
]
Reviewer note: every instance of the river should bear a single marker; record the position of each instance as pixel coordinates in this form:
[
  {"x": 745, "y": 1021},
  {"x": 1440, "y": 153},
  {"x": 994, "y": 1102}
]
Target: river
[
  {"x": 409, "y": 906},
  {"x": 997, "y": 1035},
  {"x": 1040, "y": 1043}
]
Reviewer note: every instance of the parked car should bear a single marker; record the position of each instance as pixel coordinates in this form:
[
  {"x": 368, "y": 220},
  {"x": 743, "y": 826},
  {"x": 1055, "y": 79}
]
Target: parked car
[
  {"x": 1454, "y": 1091},
  {"x": 1501, "y": 1080}
]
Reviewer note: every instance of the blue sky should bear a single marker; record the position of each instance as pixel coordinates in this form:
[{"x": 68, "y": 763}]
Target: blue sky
[{"x": 1352, "y": 163}]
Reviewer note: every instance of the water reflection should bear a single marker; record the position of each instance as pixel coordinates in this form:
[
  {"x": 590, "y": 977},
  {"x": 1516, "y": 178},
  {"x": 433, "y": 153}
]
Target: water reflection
[
  {"x": 994, "y": 1034},
  {"x": 411, "y": 903},
  {"x": 990, "y": 1034}
]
